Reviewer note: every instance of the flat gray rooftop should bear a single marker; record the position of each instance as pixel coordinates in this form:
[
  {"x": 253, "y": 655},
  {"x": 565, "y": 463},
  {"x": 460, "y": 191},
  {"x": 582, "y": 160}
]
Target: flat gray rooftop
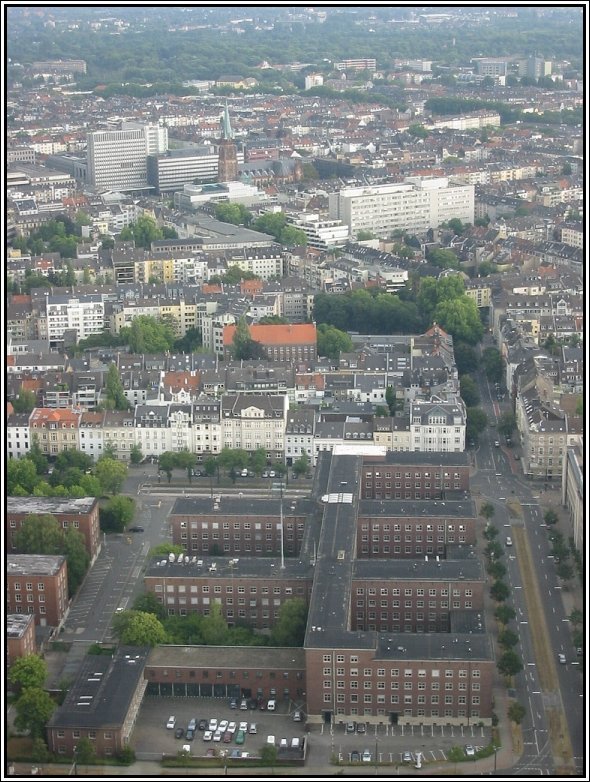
[
  {"x": 50, "y": 504},
  {"x": 34, "y": 564},
  {"x": 420, "y": 570},
  {"x": 16, "y": 624},
  {"x": 434, "y": 646},
  {"x": 452, "y": 509},
  {"x": 240, "y": 506},
  {"x": 246, "y": 567},
  {"x": 263, "y": 657}
]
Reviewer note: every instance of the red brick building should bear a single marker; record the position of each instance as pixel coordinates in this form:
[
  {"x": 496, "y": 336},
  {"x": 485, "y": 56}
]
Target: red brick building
[
  {"x": 227, "y": 672},
  {"x": 20, "y": 636},
  {"x": 282, "y": 342},
  {"x": 102, "y": 704},
  {"x": 237, "y": 525},
  {"x": 79, "y": 513},
  {"x": 37, "y": 584}
]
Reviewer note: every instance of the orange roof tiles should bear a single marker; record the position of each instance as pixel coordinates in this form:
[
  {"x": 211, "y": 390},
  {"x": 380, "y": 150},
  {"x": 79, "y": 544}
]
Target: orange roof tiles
[{"x": 279, "y": 334}]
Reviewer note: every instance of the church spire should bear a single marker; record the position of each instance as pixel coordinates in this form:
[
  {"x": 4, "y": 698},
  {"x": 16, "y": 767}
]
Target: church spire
[{"x": 226, "y": 131}]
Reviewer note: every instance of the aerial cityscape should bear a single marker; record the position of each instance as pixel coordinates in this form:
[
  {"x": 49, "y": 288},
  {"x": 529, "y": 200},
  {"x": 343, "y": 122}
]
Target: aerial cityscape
[{"x": 294, "y": 410}]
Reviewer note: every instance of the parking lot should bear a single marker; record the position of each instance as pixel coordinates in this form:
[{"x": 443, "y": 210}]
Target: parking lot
[
  {"x": 384, "y": 743},
  {"x": 151, "y": 739}
]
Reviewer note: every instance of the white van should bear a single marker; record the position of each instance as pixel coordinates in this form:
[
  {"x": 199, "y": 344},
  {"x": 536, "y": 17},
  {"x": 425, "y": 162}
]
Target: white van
[
  {"x": 252, "y": 729},
  {"x": 271, "y": 705},
  {"x": 270, "y": 740}
]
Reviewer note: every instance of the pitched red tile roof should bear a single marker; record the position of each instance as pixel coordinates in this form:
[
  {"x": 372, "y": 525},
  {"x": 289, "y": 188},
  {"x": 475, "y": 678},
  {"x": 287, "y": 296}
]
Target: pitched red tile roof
[{"x": 278, "y": 334}]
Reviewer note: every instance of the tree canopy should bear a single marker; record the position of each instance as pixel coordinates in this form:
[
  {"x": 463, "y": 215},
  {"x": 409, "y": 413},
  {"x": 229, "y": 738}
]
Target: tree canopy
[
  {"x": 148, "y": 335},
  {"x": 28, "y": 671}
]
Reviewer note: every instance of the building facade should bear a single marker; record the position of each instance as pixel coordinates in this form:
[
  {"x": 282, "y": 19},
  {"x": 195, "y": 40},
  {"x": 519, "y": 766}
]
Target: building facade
[{"x": 37, "y": 584}]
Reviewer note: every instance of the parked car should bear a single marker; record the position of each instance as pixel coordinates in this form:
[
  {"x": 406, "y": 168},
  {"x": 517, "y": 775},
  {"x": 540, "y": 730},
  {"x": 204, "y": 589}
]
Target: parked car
[
  {"x": 232, "y": 727},
  {"x": 186, "y": 748},
  {"x": 355, "y": 756},
  {"x": 297, "y": 716},
  {"x": 265, "y": 474},
  {"x": 272, "y": 474},
  {"x": 244, "y": 704},
  {"x": 190, "y": 734},
  {"x": 135, "y": 529},
  {"x": 407, "y": 757},
  {"x": 366, "y": 756},
  {"x": 253, "y": 729},
  {"x": 207, "y": 735},
  {"x": 233, "y": 703},
  {"x": 271, "y": 705},
  {"x": 240, "y": 737},
  {"x": 350, "y": 726},
  {"x": 470, "y": 751},
  {"x": 192, "y": 724},
  {"x": 179, "y": 733},
  {"x": 295, "y": 742},
  {"x": 243, "y": 726},
  {"x": 361, "y": 727},
  {"x": 213, "y": 724},
  {"x": 171, "y": 722},
  {"x": 217, "y": 735},
  {"x": 270, "y": 740},
  {"x": 244, "y": 474},
  {"x": 561, "y": 658},
  {"x": 202, "y": 724},
  {"x": 497, "y": 443},
  {"x": 223, "y": 726},
  {"x": 227, "y": 737},
  {"x": 508, "y": 541}
]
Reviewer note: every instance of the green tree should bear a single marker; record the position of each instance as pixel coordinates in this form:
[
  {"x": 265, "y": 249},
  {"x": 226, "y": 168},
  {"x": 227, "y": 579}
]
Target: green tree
[
  {"x": 491, "y": 531},
  {"x": 510, "y": 663},
  {"x": 477, "y": 421},
  {"x": 565, "y": 571},
  {"x": 135, "y": 454},
  {"x": 117, "y": 514},
  {"x": 291, "y": 236},
  {"x": 496, "y": 569},
  {"x": 233, "y": 213},
  {"x": 258, "y": 461},
  {"x": 39, "y": 534},
  {"x": 36, "y": 456},
  {"x": 167, "y": 463},
  {"x": 243, "y": 346},
  {"x": 506, "y": 424},
  {"x": 504, "y": 613},
  {"x": 456, "y": 226},
  {"x": 508, "y": 639},
  {"x": 20, "y": 472},
  {"x": 191, "y": 342},
  {"x": 111, "y": 474},
  {"x": 487, "y": 510},
  {"x": 516, "y": 712},
  {"x": 494, "y": 550},
  {"x": 500, "y": 591},
  {"x": 465, "y": 358},
  {"x": 493, "y": 366},
  {"x": 364, "y": 236},
  {"x": 185, "y": 460},
  {"x": 85, "y": 753},
  {"x": 332, "y": 341},
  {"x": 25, "y": 402},
  {"x": 580, "y": 406},
  {"x": 289, "y": 629},
  {"x": 214, "y": 627},
  {"x": 268, "y": 755},
  {"x": 469, "y": 391},
  {"x": 445, "y": 259},
  {"x": 145, "y": 231},
  {"x": 148, "y": 335},
  {"x": 114, "y": 389},
  {"x": 393, "y": 403},
  {"x": 138, "y": 628},
  {"x": 39, "y": 751},
  {"x": 576, "y": 617},
  {"x": 301, "y": 465},
  {"x": 418, "y": 131},
  {"x": 148, "y": 604},
  {"x": 460, "y": 317},
  {"x": 77, "y": 556},
  {"x": 550, "y": 517},
  {"x": 28, "y": 671},
  {"x": 33, "y": 710}
]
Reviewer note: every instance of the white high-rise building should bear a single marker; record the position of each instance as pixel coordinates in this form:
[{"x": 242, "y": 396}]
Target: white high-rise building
[
  {"x": 117, "y": 159},
  {"x": 156, "y": 136},
  {"x": 414, "y": 205}
]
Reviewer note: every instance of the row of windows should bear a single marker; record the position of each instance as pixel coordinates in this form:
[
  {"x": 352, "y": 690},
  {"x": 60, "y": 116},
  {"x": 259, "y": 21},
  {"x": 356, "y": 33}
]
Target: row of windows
[
  {"x": 181, "y": 589},
  {"x": 434, "y": 699},
  {"x": 418, "y": 475},
  {"x": 408, "y": 592},
  {"x": 435, "y": 673}
]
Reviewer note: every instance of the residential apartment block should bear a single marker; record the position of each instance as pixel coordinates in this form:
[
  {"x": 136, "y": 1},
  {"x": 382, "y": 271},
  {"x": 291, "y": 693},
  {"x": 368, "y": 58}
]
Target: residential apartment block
[
  {"x": 20, "y": 636},
  {"x": 417, "y": 204}
]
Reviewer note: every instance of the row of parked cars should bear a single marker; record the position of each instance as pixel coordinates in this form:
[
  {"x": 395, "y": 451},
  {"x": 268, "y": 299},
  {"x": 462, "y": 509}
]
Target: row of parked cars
[{"x": 213, "y": 730}]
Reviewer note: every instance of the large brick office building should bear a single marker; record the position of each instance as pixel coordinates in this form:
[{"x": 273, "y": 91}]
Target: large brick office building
[
  {"x": 392, "y": 635},
  {"x": 37, "y": 584}
]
